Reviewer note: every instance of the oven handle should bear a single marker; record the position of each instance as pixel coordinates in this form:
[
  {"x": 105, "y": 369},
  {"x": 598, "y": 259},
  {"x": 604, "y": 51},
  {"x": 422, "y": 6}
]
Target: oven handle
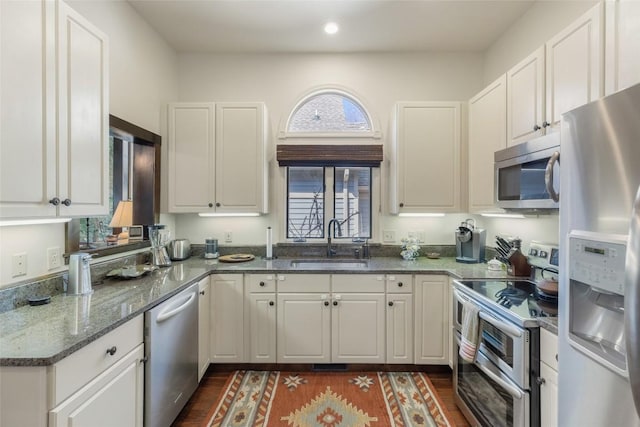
[
  {"x": 513, "y": 391},
  {"x": 504, "y": 327}
]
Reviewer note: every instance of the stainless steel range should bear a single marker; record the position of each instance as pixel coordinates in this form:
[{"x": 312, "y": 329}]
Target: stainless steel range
[{"x": 500, "y": 387}]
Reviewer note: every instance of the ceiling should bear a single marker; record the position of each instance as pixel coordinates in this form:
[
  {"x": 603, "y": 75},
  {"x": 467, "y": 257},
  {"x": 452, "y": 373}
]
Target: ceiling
[{"x": 297, "y": 25}]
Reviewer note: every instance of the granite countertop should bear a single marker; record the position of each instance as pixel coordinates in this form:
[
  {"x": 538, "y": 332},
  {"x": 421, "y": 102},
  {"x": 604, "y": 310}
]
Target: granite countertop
[{"x": 43, "y": 335}]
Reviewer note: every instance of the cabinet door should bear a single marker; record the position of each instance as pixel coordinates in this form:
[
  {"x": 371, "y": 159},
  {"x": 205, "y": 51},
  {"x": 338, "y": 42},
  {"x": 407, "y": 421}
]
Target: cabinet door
[
  {"x": 358, "y": 328},
  {"x": 574, "y": 66},
  {"x": 241, "y": 172},
  {"x": 304, "y": 328},
  {"x": 399, "y": 328},
  {"x": 622, "y": 62},
  {"x": 114, "y": 398},
  {"x": 525, "y": 99},
  {"x": 191, "y": 157},
  {"x": 262, "y": 327},
  {"x": 487, "y": 134},
  {"x": 431, "y": 320},
  {"x": 427, "y": 168},
  {"x": 83, "y": 114},
  {"x": 27, "y": 109},
  {"x": 227, "y": 318},
  {"x": 204, "y": 310},
  {"x": 548, "y": 396}
]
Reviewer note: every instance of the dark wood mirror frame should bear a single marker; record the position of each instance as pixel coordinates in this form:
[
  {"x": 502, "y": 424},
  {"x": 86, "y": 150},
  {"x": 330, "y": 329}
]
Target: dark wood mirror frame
[{"x": 140, "y": 136}]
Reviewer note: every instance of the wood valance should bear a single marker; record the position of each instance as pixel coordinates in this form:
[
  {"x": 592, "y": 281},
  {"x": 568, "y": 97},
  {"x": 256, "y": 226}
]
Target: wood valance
[{"x": 329, "y": 155}]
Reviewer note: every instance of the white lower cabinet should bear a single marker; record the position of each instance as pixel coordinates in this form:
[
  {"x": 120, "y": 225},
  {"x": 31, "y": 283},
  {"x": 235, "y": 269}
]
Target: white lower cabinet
[
  {"x": 261, "y": 316},
  {"x": 102, "y": 384},
  {"x": 399, "y": 316},
  {"x": 227, "y": 318},
  {"x": 119, "y": 387},
  {"x": 357, "y": 318},
  {"x": 204, "y": 309},
  {"x": 548, "y": 379},
  {"x": 431, "y": 320},
  {"x": 304, "y": 318}
]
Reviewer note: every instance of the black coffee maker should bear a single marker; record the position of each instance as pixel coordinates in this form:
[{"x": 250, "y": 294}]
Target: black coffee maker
[{"x": 470, "y": 242}]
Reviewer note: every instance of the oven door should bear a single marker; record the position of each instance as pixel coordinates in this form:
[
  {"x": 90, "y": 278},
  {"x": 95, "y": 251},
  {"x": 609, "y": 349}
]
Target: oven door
[
  {"x": 501, "y": 342},
  {"x": 486, "y": 395}
]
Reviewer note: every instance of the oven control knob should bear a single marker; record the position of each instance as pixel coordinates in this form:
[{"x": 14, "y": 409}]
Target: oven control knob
[
  {"x": 543, "y": 254},
  {"x": 533, "y": 252}
]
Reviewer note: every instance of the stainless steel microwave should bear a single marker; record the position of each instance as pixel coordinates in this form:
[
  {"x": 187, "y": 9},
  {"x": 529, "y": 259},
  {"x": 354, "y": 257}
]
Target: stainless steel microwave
[{"x": 527, "y": 175}]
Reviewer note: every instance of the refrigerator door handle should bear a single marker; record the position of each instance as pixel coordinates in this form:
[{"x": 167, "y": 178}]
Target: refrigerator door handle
[
  {"x": 632, "y": 303},
  {"x": 548, "y": 176}
]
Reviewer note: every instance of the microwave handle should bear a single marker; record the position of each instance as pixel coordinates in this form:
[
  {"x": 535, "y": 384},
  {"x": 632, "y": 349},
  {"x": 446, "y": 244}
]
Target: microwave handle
[{"x": 548, "y": 176}]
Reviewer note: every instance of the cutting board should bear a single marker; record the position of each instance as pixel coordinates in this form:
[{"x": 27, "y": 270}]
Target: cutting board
[{"x": 236, "y": 258}]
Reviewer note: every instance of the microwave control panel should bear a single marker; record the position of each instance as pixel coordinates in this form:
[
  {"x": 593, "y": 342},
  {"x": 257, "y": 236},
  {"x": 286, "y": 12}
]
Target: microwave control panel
[{"x": 598, "y": 260}]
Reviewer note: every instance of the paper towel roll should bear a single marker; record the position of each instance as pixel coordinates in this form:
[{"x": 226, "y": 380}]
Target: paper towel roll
[{"x": 269, "y": 243}]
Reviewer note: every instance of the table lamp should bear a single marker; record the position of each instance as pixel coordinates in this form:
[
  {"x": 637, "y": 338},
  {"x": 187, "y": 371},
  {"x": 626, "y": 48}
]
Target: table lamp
[{"x": 123, "y": 218}]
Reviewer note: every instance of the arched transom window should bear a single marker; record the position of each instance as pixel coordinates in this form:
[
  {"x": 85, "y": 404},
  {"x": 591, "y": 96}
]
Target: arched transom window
[{"x": 329, "y": 112}]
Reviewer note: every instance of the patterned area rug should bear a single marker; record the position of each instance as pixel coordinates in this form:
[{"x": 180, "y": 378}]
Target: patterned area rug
[{"x": 328, "y": 399}]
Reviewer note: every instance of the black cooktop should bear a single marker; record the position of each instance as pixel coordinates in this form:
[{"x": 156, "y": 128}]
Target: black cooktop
[{"x": 519, "y": 299}]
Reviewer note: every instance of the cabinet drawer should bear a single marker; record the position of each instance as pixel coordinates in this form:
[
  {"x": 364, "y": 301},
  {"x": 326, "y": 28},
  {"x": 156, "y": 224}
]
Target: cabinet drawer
[
  {"x": 357, "y": 283},
  {"x": 301, "y": 283},
  {"x": 261, "y": 282},
  {"x": 549, "y": 348},
  {"x": 79, "y": 368},
  {"x": 399, "y": 283}
]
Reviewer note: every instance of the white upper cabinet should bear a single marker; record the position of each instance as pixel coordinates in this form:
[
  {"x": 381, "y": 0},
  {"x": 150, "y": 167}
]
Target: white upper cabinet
[
  {"x": 425, "y": 158},
  {"x": 83, "y": 114},
  {"x": 217, "y": 158},
  {"x": 191, "y": 155},
  {"x": 574, "y": 72},
  {"x": 561, "y": 75},
  {"x": 53, "y": 140},
  {"x": 525, "y": 98},
  {"x": 622, "y": 61},
  {"x": 487, "y": 134},
  {"x": 241, "y": 169}
]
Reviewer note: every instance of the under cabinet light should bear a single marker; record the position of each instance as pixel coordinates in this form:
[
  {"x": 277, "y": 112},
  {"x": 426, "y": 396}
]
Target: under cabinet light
[
  {"x": 10, "y": 222},
  {"x": 502, "y": 215},
  {"x": 417, "y": 215},
  {"x": 331, "y": 28},
  {"x": 207, "y": 214}
]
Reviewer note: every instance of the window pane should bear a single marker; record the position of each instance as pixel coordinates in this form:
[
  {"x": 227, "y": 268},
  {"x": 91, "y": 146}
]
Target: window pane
[
  {"x": 305, "y": 202},
  {"x": 329, "y": 112},
  {"x": 353, "y": 201}
]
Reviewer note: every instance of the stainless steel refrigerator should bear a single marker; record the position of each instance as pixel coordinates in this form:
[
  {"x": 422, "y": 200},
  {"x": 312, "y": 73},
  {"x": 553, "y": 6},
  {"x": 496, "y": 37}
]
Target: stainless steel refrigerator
[{"x": 599, "y": 324}]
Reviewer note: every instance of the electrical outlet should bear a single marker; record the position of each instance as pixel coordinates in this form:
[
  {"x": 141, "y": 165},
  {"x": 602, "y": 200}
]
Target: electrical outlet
[
  {"x": 422, "y": 236},
  {"x": 413, "y": 235},
  {"x": 228, "y": 236},
  {"x": 19, "y": 264},
  {"x": 54, "y": 256},
  {"x": 388, "y": 236}
]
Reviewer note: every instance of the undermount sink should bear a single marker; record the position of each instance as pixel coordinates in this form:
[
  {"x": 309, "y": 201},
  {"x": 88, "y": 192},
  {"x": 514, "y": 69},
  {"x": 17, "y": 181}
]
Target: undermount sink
[{"x": 329, "y": 263}]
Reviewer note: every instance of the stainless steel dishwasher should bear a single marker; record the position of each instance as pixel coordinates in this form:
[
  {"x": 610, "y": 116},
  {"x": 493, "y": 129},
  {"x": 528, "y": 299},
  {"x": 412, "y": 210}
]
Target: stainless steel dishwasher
[{"x": 171, "y": 348}]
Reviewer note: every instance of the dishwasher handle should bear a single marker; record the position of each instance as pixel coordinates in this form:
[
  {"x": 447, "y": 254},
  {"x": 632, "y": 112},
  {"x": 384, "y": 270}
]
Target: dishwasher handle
[{"x": 169, "y": 312}]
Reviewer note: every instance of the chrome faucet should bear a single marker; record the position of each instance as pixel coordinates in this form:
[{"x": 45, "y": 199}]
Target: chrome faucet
[{"x": 330, "y": 251}]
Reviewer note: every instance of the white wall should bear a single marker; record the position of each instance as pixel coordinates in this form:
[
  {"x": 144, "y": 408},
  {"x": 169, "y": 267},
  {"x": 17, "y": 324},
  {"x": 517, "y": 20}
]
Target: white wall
[
  {"x": 380, "y": 80},
  {"x": 142, "y": 80},
  {"x": 541, "y": 22}
]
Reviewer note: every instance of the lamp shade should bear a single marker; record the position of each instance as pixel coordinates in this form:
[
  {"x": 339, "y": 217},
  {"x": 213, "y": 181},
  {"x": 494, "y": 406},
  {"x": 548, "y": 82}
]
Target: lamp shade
[{"x": 123, "y": 216}]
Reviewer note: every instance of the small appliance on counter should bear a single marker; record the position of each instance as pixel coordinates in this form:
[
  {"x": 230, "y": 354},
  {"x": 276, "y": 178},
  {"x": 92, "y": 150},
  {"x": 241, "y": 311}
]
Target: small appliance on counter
[
  {"x": 470, "y": 242},
  {"x": 179, "y": 249},
  {"x": 79, "y": 274},
  {"x": 211, "y": 248},
  {"x": 159, "y": 237}
]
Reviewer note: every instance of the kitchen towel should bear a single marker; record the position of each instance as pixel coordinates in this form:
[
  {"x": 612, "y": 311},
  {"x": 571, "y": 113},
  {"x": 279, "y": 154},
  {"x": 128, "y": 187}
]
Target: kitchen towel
[{"x": 470, "y": 321}]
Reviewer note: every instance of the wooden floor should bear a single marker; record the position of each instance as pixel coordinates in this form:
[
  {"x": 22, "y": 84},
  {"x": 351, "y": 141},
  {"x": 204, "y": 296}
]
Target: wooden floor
[{"x": 195, "y": 412}]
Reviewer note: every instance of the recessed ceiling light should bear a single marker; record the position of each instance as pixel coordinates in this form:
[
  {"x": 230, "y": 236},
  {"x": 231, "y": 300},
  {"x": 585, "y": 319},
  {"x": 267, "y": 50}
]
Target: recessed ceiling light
[{"x": 331, "y": 28}]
